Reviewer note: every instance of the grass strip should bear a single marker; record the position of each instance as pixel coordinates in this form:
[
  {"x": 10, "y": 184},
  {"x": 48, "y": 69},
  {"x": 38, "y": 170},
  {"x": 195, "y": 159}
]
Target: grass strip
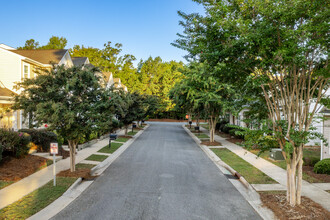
[
  {"x": 113, "y": 148},
  {"x": 37, "y": 200},
  {"x": 248, "y": 171},
  {"x": 201, "y": 136},
  {"x": 3, "y": 183},
  {"x": 84, "y": 166},
  {"x": 132, "y": 133},
  {"x": 122, "y": 139},
  {"x": 96, "y": 157}
]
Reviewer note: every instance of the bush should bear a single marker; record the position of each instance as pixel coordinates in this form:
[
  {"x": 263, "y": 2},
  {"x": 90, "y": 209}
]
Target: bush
[
  {"x": 16, "y": 142},
  {"x": 1, "y": 149},
  {"x": 323, "y": 166},
  {"x": 226, "y": 128},
  {"x": 310, "y": 161},
  {"x": 41, "y": 137}
]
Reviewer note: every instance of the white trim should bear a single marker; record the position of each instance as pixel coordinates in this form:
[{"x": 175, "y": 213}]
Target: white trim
[{"x": 29, "y": 70}]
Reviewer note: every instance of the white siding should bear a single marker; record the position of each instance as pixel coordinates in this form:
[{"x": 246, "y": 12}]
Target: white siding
[{"x": 10, "y": 68}]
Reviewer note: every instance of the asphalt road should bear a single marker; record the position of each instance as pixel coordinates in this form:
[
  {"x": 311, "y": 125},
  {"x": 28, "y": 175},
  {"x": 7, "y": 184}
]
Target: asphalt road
[{"x": 162, "y": 175}]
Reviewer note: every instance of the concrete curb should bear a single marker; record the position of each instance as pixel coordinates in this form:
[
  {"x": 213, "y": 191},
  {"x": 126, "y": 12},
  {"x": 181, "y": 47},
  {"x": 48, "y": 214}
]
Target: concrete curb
[
  {"x": 73, "y": 186},
  {"x": 247, "y": 191},
  {"x": 80, "y": 186}
]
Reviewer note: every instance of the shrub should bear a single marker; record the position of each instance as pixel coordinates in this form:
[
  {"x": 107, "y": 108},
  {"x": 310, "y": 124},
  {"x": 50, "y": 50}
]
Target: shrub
[
  {"x": 226, "y": 128},
  {"x": 1, "y": 149},
  {"x": 16, "y": 142},
  {"x": 41, "y": 137},
  {"x": 310, "y": 161},
  {"x": 323, "y": 166}
]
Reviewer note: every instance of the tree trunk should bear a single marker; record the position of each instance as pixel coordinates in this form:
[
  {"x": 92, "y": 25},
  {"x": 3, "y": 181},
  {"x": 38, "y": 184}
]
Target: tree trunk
[
  {"x": 72, "y": 147},
  {"x": 299, "y": 175},
  {"x": 292, "y": 182},
  {"x": 126, "y": 129},
  {"x": 212, "y": 129}
]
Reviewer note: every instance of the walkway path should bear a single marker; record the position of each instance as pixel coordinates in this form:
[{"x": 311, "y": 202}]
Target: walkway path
[
  {"x": 277, "y": 173},
  {"x": 163, "y": 175},
  {"x": 27, "y": 185}
]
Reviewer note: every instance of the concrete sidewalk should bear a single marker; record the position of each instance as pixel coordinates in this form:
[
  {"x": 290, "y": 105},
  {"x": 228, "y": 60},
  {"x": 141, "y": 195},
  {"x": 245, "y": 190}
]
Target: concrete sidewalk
[
  {"x": 309, "y": 190},
  {"x": 30, "y": 183}
]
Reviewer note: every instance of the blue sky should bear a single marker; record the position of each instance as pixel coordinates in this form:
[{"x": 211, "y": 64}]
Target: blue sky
[{"x": 144, "y": 27}]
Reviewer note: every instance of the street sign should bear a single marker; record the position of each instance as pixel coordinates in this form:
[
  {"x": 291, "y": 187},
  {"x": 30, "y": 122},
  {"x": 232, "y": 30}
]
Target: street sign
[{"x": 53, "y": 148}]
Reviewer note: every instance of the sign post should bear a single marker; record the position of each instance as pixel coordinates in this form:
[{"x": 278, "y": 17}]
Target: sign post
[{"x": 54, "y": 151}]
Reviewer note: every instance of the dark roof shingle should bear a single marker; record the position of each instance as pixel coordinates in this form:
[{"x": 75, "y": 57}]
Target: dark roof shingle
[{"x": 43, "y": 56}]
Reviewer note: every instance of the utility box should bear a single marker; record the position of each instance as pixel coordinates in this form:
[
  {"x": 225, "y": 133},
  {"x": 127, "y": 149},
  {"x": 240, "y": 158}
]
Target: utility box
[{"x": 276, "y": 154}]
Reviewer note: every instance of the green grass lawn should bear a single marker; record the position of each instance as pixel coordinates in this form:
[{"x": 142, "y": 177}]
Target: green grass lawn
[
  {"x": 122, "y": 139},
  {"x": 206, "y": 126},
  {"x": 132, "y": 133},
  {"x": 3, "y": 183},
  {"x": 282, "y": 163},
  {"x": 37, "y": 200},
  {"x": 96, "y": 157},
  {"x": 249, "y": 172},
  {"x": 107, "y": 150},
  {"x": 201, "y": 135},
  {"x": 84, "y": 166}
]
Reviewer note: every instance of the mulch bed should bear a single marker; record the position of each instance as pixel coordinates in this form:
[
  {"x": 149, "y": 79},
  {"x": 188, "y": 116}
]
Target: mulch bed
[
  {"x": 307, "y": 210},
  {"x": 235, "y": 140},
  {"x": 208, "y": 143},
  {"x": 84, "y": 173},
  {"x": 325, "y": 178},
  {"x": 13, "y": 169}
]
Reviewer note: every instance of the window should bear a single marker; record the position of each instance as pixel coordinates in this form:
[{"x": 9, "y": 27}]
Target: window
[{"x": 26, "y": 72}]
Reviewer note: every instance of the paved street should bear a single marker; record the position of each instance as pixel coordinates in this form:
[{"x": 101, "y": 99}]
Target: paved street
[{"x": 163, "y": 175}]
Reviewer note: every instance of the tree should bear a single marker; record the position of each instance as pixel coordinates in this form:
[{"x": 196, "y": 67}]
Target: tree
[
  {"x": 29, "y": 45},
  {"x": 55, "y": 43},
  {"x": 282, "y": 43},
  {"x": 65, "y": 99}
]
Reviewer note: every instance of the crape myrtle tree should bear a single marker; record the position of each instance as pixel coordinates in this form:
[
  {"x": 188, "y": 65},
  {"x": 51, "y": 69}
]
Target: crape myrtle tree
[
  {"x": 205, "y": 91},
  {"x": 284, "y": 45},
  {"x": 292, "y": 41},
  {"x": 64, "y": 98}
]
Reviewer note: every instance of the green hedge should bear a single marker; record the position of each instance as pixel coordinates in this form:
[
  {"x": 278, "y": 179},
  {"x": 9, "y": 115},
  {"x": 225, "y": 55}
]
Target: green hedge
[
  {"x": 15, "y": 142},
  {"x": 41, "y": 137},
  {"x": 323, "y": 166}
]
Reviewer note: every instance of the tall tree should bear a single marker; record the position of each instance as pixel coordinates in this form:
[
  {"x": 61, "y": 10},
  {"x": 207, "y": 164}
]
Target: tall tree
[
  {"x": 55, "y": 43},
  {"x": 65, "y": 99},
  {"x": 285, "y": 44},
  {"x": 29, "y": 45}
]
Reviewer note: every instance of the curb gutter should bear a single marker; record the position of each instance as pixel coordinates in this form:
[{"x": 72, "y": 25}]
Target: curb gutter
[{"x": 80, "y": 186}]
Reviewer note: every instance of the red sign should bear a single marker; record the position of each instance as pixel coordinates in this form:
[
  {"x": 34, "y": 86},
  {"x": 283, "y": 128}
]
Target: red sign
[{"x": 53, "y": 148}]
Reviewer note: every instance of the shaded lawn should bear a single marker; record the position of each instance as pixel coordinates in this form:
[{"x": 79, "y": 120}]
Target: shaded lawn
[
  {"x": 113, "y": 148},
  {"x": 122, "y": 139},
  {"x": 282, "y": 163},
  {"x": 248, "y": 171},
  {"x": 96, "y": 157},
  {"x": 36, "y": 200}
]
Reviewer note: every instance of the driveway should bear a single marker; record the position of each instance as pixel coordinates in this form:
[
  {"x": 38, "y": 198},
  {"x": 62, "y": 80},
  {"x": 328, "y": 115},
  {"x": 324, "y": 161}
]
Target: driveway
[{"x": 162, "y": 175}]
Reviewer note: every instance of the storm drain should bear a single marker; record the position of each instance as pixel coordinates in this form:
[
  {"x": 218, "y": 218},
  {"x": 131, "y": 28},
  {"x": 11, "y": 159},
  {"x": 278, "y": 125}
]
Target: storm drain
[{"x": 229, "y": 176}]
